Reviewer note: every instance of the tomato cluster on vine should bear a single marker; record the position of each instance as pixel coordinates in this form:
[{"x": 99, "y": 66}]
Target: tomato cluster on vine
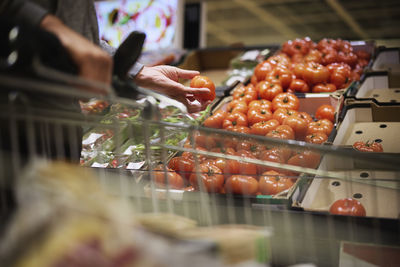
[{"x": 305, "y": 66}]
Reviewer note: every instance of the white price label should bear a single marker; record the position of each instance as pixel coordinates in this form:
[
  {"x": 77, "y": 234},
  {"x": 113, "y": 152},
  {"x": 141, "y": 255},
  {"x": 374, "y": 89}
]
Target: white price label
[{"x": 91, "y": 138}]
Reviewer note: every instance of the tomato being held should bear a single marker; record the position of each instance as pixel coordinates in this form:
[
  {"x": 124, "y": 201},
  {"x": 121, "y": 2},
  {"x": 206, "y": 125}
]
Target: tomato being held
[
  {"x": 273, "y": 182},
  {"x": 200, "y": 81},
  {"x": 285, "y": 100},
  {"x": 241, "y": 184},
  {"x": 368, "y": 146},
  {"x": 347, "y": 206},
  {"x": 325, "y": 112},
  {"x": 210, "y": 176}
]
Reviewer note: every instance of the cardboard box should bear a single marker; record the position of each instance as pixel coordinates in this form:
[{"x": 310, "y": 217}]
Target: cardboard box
[
  {"x": 383, "y": 87},
  {"x": 373, "y": 183},
  {"x": 387, "y": 59}
]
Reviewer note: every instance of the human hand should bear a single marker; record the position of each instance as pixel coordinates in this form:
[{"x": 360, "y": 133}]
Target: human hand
[
  {"x": 93, "y": 63},
  {"x": 164, "y": 79}
]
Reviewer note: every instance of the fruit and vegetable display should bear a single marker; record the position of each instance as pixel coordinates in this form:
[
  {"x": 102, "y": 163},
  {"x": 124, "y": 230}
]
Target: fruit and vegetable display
[
  {"x": 307, "y": 67},
  {"x": 250, "y": 113},
  {"x": 117, "y": 141}
]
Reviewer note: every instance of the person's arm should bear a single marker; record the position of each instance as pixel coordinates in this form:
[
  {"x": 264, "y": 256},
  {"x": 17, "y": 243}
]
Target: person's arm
[{"x": 93, "y": 63}]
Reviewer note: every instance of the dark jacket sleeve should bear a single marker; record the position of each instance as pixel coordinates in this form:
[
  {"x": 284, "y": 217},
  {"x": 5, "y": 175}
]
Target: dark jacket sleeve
[{"x": 22, "y": 11}]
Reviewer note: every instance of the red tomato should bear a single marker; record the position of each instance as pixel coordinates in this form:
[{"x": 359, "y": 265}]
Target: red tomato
[
  {"x": 299, "y": 85},
  {"x": 247, "y": 93},
  {"x": 241, "y": 184},
  {"x": 325, "y": 126},
  {"x": 224, "y": 150},
  {"x": 368, "y": 147},
  {"x": 192, "y": 156},
  {"x": 313, "y": 56},
  {"x": 210, "y": 176},
  {"x": 325, "y": 112},
  {"x": 324, "y": 88},
  {"x": 255, "y": 115},
  {"x": 262, "y": 69},
  {"x": 306, "y": 159},
  {"x": 262, "y": 103},
  {"x": 315, "y": 73},
  {"x": 205, "y": 140},
  {"x": 283, "y": 151},
  {"x": 227, "y": 166},
  {"x": 204, "y": 82},
  {"x": 272, "y": 155},
  {"x": 216, "y": 120},
  {"x": 349, "y": 58},
  {"x": 280, "y": 60},
  {"x": 183, "y": 166},
  {"x": 272, "y": 183},
  {"x": 316, "y": 138},
  {"x": 329, "y": 56},
  {"x": 237, "y": 105},
  {"x": 281, "y": 113},
  {"x": 174, "y": 180},
  {"x": 298, "y": 70},
  {"x": 285, "y": 100},
  {"x": 298, "y": 125},
  {"x": 264, "y": 127},
  {"x": 282, "y": 132},
  {"x": 253, "y": 80},
  {"x": 268, "y": 90},
  {"x": 362, "y": 54},
  {"x": 246, "y": 168},
  {"x": 283, "y": 75},
  {"x": 240, "y": 129},
  {"x": 306, "y": 116},
  {"x": 235, "y": 119},
  {"x": 347, "y": 206}
]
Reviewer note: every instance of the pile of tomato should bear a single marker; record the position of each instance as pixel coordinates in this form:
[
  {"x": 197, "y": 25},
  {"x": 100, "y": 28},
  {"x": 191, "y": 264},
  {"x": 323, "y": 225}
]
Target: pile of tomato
[
  {"x": 304, "y": 66},
  {"x": 248, "y": 114}
]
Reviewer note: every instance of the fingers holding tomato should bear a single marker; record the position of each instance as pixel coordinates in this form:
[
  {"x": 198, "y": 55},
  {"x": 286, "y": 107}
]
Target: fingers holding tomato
[{"x": 200, "y": 81}]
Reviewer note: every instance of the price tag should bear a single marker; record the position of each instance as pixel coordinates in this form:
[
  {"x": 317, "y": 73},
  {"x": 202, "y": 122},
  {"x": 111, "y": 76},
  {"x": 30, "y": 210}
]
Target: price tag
[
  {"x": 91, "y": 138},
  {"x": 135, "y": 165}
]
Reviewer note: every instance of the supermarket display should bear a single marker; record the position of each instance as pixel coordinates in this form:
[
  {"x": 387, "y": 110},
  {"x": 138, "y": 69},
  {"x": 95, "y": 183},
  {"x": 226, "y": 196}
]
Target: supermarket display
[{"x": 304, "y": 148}]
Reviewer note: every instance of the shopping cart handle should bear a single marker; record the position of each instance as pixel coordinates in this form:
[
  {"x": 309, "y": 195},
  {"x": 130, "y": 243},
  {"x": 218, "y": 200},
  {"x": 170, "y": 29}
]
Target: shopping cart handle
[{"x": 128, "y": 53}]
